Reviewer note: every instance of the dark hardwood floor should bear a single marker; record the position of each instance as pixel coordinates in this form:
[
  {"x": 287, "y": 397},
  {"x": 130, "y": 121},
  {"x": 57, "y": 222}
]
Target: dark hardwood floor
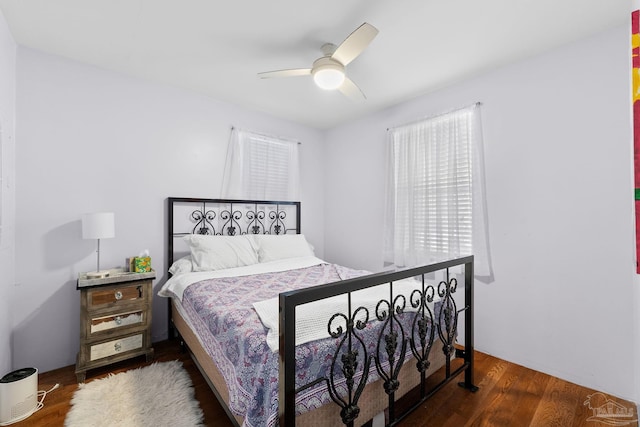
[{"x": 509, "y": 395}]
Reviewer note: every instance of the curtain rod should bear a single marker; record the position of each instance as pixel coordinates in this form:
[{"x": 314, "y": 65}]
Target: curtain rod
[
  {"x": 475, "y": 104},
  {"x": 268, "y": 136}
]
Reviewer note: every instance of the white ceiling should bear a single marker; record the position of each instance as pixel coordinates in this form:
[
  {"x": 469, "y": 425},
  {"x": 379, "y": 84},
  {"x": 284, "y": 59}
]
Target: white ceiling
[{"x": 218, "y": 47}]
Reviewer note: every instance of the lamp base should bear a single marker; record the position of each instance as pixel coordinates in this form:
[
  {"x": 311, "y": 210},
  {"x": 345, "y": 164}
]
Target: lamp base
[{"x": 97, "y": 274}]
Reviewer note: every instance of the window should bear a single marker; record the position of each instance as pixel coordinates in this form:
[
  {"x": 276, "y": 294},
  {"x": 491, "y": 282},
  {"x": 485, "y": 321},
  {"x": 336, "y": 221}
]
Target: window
[
  {"x": 435, "y": 202},
  {"x": 261, "y": 167}
]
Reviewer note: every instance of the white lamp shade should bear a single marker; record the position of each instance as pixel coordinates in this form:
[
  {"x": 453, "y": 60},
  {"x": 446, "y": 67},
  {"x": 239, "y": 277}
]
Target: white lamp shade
[{"x": 100, "y": 225}]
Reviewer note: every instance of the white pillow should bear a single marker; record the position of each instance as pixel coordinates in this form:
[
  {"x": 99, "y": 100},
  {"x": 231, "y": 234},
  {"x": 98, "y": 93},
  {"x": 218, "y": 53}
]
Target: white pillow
[
  {"x": 210, "y": 253},
  {"x": 273, "y": 247},
  {"x": 183, "y": 265}
]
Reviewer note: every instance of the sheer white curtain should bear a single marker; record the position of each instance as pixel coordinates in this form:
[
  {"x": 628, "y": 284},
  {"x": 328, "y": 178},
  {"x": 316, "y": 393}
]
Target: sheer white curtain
[
  {"x": 435, "y": 204},
  {"x": 261, "y": 167}
]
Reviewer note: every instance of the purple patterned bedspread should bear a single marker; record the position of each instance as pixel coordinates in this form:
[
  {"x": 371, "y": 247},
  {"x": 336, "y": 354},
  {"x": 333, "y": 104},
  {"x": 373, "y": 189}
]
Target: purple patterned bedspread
[{"x": 222, "y": 313}]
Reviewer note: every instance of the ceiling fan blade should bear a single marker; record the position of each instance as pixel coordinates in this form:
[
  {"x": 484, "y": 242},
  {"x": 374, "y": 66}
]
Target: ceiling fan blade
[
  {"x": 351, "y": 90},
  {"x": 285, "y": 73},
  {"x": 353, "y": 45}
]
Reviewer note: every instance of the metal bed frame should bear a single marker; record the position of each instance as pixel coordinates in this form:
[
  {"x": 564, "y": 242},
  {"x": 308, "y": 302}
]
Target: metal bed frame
[{"x": 351, "y": 360}]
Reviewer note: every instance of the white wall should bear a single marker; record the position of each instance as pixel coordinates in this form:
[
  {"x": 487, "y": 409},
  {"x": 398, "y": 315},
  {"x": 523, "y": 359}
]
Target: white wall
[
  {"x": 7, "y": 194},
  {"x": 93, "y": 140},
  {"x": 559, "y": 189}
]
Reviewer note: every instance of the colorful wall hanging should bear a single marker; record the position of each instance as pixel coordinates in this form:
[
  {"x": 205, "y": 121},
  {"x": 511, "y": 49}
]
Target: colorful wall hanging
[{"x": 635, "y": 84}]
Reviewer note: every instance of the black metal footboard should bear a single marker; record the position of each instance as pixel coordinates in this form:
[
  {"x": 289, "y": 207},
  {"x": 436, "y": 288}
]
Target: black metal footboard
[{"x": 407, "y": 325}]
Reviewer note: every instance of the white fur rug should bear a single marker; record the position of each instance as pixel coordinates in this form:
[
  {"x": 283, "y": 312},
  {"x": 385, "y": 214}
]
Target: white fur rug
[{"x": 157, "y": 395}]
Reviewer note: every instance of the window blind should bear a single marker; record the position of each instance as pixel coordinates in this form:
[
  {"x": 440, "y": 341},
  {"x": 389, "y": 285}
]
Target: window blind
[
  {"x": 261, "y": 167},
  {"x": 430, "y": 192}
]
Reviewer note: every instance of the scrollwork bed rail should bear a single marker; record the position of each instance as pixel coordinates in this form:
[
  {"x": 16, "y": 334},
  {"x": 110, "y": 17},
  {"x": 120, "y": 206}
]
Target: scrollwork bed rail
[{"x": 393, "y": 340}]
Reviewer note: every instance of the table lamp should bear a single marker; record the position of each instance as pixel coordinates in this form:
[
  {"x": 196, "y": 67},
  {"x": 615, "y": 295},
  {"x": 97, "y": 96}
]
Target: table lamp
[{"x": 100, "y": 225}]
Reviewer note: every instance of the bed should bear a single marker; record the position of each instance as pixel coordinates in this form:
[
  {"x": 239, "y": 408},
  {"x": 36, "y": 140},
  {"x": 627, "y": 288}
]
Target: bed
[{"x": 283, "y": 337}]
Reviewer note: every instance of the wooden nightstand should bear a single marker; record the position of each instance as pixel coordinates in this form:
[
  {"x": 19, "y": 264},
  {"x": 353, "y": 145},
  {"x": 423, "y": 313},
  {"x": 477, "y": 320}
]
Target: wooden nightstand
[{"x": 115, "y": 319}]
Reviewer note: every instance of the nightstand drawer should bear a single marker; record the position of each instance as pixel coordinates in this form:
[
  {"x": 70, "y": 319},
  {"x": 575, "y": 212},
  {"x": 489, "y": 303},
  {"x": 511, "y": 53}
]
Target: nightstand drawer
[
  {"x": 101, "y": 297},
  {"x": 110, "y": 348},
  {"x": 114, "y": 321}
]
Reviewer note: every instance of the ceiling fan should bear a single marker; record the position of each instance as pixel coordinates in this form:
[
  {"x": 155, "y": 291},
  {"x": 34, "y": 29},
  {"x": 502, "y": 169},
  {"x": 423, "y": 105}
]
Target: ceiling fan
[{"x": 328, "y": 71}]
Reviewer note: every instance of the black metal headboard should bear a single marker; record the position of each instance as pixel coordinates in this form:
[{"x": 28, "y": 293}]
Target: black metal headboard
[{"x": 226, "y": 217}]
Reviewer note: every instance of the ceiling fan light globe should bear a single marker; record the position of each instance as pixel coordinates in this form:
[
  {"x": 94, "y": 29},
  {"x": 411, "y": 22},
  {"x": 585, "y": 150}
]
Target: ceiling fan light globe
[
  {"x": 328, "y": 79},
  {"x": 328, "y": 73}
]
